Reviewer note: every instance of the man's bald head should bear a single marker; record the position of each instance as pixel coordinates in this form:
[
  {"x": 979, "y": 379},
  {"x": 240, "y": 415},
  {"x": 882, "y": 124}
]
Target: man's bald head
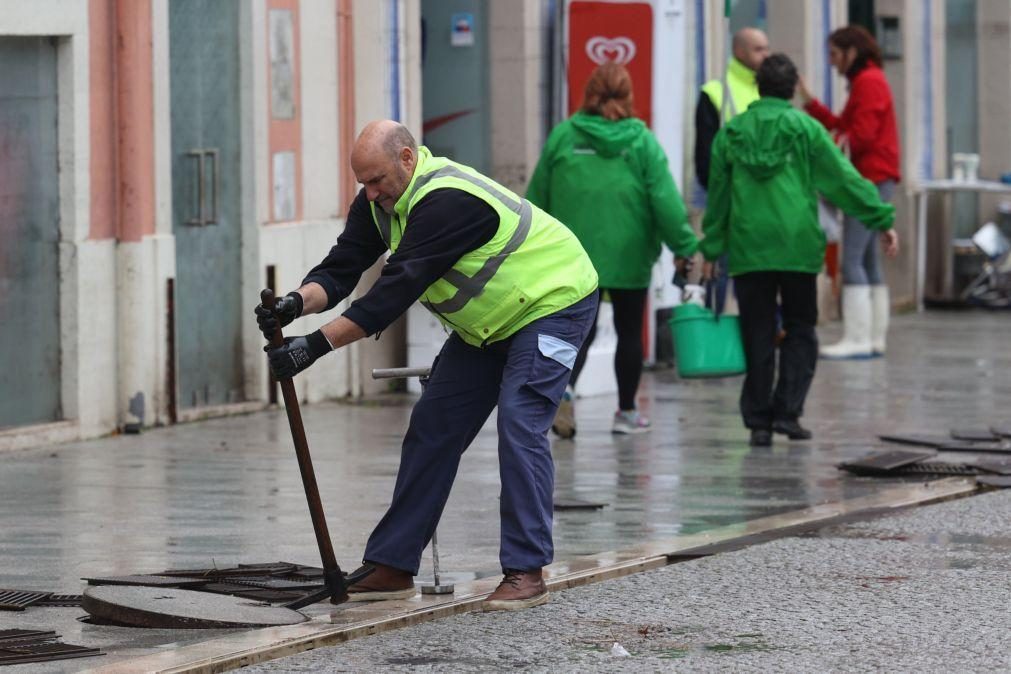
[
  {"x": 384, "y": 136},
  {"x": 750, "y": 47},
  {"x": 383, "y": 159}
]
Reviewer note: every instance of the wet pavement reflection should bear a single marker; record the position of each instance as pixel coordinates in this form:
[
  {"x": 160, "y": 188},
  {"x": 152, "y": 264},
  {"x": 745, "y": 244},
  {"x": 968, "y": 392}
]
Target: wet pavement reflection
[{"x": 227, "y": 491}]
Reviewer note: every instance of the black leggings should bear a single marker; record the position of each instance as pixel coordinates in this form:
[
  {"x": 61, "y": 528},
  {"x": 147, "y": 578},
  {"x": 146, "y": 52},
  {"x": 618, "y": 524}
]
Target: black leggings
[{"x": 628, "y": 308}]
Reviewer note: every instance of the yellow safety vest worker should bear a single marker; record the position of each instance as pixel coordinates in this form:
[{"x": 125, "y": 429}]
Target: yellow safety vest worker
[
  {"x": 739, "y": 83},
  {"x": 532, "y": 267}
]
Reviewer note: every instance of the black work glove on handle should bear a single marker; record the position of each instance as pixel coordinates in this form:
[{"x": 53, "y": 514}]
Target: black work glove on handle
[
  {"x": 287, "y": 308},
  {"x": 297, "y": 354}
]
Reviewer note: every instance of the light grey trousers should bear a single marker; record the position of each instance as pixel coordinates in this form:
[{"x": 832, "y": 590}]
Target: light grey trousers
[{"x": 861, "y": 263}]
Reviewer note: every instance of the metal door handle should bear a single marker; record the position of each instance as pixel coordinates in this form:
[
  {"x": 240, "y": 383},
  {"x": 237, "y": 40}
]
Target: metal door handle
[
  {"x": 198, "y": 154},
  {"x": 213, "y": 155}
]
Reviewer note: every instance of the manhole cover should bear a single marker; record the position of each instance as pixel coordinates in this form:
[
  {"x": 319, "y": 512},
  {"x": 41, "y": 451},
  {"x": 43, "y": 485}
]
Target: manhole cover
[{"x": 175, "y": 608}]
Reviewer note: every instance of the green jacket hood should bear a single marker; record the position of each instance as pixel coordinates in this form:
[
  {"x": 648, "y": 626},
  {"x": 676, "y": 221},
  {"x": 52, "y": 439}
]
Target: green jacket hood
[
  {"x": 608, "y": 137},
  {"x": 763, "y": 140}
]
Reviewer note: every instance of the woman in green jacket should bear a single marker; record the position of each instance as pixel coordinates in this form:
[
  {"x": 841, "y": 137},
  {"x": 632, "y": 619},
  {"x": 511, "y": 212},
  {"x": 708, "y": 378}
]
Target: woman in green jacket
[{"x": 605, "y": 176}]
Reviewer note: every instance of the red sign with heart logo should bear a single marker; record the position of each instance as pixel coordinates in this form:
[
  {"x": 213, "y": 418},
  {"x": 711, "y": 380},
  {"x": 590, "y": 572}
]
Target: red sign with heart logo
[{"x": 611, "y": 31}]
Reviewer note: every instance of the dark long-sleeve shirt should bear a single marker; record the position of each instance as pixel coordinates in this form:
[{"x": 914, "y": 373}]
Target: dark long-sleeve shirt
[
  {"x": 441, "y": 228},
  {"x": 707, "y": 124}
]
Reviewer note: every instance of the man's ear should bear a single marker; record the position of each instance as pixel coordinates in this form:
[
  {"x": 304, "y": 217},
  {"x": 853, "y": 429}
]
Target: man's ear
[{"x": 406, "y": 156}]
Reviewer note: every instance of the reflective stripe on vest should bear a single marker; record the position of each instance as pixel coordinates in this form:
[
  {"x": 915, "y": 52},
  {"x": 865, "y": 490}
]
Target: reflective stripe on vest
[{"x": 468, "y": 287}]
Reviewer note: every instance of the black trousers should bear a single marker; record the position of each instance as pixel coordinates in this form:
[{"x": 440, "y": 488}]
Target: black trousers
[
  {"x": 628, "y": 308},
  {"x": 757, "y": 295}
]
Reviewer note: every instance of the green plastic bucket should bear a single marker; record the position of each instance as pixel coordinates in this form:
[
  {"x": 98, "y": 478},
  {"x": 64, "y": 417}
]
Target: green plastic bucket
[{"x": 706, "y": 345}]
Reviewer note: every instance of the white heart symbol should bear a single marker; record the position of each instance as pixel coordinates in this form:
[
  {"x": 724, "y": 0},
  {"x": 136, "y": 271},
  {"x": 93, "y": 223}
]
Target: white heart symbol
[{"x": 620, "y": 50}]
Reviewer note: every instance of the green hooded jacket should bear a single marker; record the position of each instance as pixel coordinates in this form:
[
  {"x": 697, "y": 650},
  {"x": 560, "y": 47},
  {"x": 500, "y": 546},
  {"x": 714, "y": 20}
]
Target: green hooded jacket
[
  {"x": 609, "y": 183},
  {"x": 768, "y": 164}
]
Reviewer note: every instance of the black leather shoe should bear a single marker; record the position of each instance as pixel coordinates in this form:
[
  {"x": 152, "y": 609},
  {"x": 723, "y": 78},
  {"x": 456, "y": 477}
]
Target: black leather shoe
[
  {"x": 791, "y": 429},
  {"x": 761, "y": 437}
]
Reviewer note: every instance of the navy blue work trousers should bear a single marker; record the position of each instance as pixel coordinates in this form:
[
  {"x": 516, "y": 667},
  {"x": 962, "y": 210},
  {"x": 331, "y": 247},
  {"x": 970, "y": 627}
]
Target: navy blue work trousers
[{"x": 525, "y": 375}]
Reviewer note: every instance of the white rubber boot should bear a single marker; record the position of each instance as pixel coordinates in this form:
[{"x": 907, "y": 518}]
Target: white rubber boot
[
  {"x": 856, "y": 341},
  {"x": 881, "y": 310}
]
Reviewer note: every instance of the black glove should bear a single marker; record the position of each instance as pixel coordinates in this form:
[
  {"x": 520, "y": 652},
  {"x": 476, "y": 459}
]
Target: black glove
[
  {"x": 287, "y": 308},
  {"x": 297, "y": 354}
]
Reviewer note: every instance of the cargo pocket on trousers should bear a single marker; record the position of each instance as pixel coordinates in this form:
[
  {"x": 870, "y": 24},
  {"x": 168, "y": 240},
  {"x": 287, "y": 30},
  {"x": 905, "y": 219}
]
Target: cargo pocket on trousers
[{"x": 552, "y": 367}]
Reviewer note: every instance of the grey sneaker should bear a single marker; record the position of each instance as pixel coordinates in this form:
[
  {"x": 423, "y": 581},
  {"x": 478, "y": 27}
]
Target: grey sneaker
[
  {"x": 565, "y": 418},
  {"x": 629, "y": 423}
]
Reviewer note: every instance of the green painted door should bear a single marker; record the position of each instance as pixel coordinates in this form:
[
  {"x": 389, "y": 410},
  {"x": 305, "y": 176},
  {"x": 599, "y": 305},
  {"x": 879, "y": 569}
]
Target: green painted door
[
  {"x": 204, "y": 64},
  {"x": 29, "y": 233}
]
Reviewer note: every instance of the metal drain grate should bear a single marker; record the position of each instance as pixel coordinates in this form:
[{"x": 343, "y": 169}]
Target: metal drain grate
[
  {"x": 936, "y": 468},
  {"x": 14, "y": 636},
  {"x": 254, "y": 593},
  {"x": 277, "y": 583},
  {"x": 885, "y": 461},
  {"x": 145, "y": 580},
  {"x": 973, "y": 434},
  {"x": 16, "y": 654},
  {"x": 918, "y": 439},
  {"x": 70, "y": 600},
  {"x": 268, "y": 569},
  {"x": 19, "y": 600}
]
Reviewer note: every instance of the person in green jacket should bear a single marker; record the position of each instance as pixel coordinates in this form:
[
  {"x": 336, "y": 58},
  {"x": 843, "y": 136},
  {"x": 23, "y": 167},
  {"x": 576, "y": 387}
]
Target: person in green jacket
[
  {"x": 604, "y": 175},
  {"x": 768, "y": 164}
]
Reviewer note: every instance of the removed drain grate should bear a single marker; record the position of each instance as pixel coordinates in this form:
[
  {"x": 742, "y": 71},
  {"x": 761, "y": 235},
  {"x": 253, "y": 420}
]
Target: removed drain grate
[
  {"x": 16, "y": 654},
  {"x": 15, "y": 636},
  {"x": 999, "y": 447},
  {"x": 267, "y": 569},
  {"x": 277, "y": 583},
  {"x": 973, "y": 434},
  {"x": 146, "y": 581},
  {"x": 19, "y": 600},
  {"x": 936, "y": 468},
  {"x": 254, "y": 593},
  {"x": 60, "y": 600},
  {"x": 886, "y": 461},
  {"x": 919, "y": 440}
]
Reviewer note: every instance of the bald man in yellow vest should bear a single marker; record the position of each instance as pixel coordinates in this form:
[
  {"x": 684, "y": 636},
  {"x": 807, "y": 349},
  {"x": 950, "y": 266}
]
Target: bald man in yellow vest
[{"x": 517, "y": 294}]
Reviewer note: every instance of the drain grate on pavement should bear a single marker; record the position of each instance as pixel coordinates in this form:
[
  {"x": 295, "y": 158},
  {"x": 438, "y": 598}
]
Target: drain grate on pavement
[
  {"x": 996, "y": 447},
  {"x": 19, "y": 600},
  {"x": 887, "y": 461},
  {"x": 973, "y": 434},
  {"x": 936, "y": 468},
  {"x": 23, "y": 646},
  {"x": 272, "y": 582},
  {"x": 17, "y": 636},
  {"x": 146, "y": 581},
  {"x": 64, "y": 600},
  {"x": 917, "y": 439}
]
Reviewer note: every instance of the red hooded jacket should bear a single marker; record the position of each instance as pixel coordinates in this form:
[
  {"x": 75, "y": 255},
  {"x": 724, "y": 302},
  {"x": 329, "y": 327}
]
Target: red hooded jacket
[{"x": 867, "y": 125}]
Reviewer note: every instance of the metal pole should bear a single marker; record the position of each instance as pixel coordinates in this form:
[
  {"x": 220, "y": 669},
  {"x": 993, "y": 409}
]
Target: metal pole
[{"x": 332, "y": 576}]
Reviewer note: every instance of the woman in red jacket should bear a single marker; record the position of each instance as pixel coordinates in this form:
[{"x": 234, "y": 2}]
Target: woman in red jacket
[{"x": 867, "y": 128}]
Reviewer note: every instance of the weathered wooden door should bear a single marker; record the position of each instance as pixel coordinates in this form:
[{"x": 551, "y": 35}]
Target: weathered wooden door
[
  {"x": 29, "y": 233},
  {"x": 204, "y": 63}
]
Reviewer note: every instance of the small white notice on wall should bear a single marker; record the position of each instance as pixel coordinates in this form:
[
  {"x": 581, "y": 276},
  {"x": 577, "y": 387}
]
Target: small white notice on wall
[
  {"x": 282, "y": 64},
  {"x": 461, "y": 30},
  {"x": 284, "y": 186}
]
